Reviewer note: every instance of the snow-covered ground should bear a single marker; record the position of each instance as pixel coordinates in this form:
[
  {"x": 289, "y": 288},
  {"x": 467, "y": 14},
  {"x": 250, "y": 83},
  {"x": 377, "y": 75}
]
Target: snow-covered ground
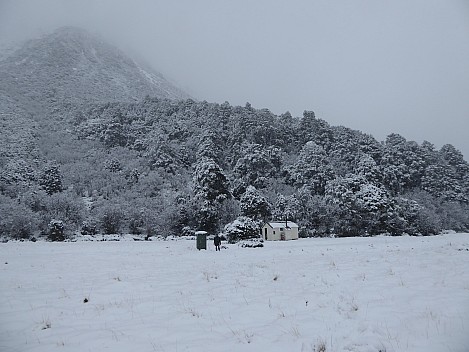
[{"x": 353, "y": 294}]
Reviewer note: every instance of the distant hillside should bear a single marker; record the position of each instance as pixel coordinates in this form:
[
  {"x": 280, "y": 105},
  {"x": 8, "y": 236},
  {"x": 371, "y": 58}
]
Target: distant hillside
[
  {"x": 70, "y": 66},
  {"x": 171, "y": 167},
  {"x": 44, "y": 80},
  {"x": 92, "y": 142}
]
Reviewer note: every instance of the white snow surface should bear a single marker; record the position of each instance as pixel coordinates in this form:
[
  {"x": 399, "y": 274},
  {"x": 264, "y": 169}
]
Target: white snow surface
[{"x": 351, "y": 294}]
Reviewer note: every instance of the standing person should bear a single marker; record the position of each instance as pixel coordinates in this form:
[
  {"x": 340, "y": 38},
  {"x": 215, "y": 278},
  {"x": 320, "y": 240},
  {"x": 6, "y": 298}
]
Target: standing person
[{"x": 217, "y": 242}]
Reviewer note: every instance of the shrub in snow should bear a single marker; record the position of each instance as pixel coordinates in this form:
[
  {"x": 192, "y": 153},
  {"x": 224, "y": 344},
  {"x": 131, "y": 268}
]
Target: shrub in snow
[
  {"x": 89, "y": 228},
  {"x": 56, "y": 231},
  {"x": 419, "y": 220},
  {"x": 16, "y": 219},
  {"x": 241, "y": 229},
  {"x": 136, "y": 224},
  {"x": 65, "y": 206},
  {"x": 111, "y": 220},
  {"x": 252, "y": 244},
  {"x": 22, "y": 226}
]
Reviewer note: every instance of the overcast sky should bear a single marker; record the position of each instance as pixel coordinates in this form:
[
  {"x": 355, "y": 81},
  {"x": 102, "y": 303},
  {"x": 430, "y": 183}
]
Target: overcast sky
[{"x": 397, "y": 66}]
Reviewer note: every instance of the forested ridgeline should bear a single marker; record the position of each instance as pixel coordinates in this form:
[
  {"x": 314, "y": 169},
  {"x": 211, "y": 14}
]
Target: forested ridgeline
[{"x": 171, "y": 167}]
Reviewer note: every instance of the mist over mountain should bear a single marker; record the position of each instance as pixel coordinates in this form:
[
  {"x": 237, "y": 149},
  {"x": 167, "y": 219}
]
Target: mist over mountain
[
  {"x": 61, "y": 72},
  {"x": 70, "y": 66},
  {"x": 95, "y": 143}
]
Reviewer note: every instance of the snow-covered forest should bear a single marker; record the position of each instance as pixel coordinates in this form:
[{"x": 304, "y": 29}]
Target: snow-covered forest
[
  {"x": 165, "y": 167},
  {"x": 75, "y": 161}
]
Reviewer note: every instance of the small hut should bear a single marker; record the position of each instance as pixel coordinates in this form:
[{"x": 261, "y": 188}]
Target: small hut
[{"x": 280, "y": 231}]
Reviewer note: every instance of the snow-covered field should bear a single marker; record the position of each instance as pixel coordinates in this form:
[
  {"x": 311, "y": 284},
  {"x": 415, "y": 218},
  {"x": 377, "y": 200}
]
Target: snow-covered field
[{"x": 354, "y": 294}]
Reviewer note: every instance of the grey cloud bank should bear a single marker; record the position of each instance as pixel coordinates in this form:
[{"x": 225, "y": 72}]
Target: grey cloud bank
[{"x": 380, "y": 67}]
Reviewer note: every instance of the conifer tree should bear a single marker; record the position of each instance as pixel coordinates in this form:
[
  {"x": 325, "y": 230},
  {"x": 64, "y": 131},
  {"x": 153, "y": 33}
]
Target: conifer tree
[
  {"x": 254, "y": 205},
  {"x": 51, "y": 180}
]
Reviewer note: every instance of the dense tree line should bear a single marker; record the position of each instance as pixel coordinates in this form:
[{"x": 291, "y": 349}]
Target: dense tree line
[{"x": 165, "y": 167}]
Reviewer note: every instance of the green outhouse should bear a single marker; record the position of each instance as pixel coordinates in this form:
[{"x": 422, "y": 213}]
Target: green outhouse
[{"x": 201, "y": 240}]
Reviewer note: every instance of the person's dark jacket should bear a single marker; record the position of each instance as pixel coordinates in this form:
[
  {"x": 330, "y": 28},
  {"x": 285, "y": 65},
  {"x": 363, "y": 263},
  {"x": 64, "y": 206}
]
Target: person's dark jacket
[{"x": 217, "y": 240}]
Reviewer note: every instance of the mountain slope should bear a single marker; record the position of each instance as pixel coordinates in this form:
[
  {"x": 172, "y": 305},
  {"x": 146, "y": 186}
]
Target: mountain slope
[
  {"x": 70, "y": 66},
  {"x": 46, "y": 79},
  {"x": 71, "y": 129}
]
